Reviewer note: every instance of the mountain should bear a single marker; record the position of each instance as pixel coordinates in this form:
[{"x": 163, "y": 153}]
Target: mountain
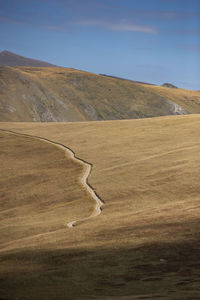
[
  {"x": 30, "y": 94},
  {"x": 169, "y": 85},
  {"x": 8, "y": 58},
  {"x": 116, "y": 77}
]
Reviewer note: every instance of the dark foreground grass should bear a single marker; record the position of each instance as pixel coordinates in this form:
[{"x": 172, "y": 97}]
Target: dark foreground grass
[{"x": 151, "y": 271}]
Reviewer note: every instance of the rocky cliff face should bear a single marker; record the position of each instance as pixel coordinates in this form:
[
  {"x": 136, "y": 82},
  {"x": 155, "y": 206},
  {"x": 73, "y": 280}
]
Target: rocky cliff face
[{"x": 176, "y": 109}]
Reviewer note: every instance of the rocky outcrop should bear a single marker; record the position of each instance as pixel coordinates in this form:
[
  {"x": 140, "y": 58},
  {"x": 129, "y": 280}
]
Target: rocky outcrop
[{"x": 169, "y": 85}]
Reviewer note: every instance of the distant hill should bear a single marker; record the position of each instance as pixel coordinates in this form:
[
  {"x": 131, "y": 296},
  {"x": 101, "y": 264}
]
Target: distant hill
[
  {"x": 169, "y": 85},
  {"x": 60, "y": 95},
  {"x": 126, "y": 79},
  {"x": 8, "y": 58}
]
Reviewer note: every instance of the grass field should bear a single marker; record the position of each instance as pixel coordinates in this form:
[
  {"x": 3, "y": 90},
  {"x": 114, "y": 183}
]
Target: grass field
[{"x": 144, "y": 245}]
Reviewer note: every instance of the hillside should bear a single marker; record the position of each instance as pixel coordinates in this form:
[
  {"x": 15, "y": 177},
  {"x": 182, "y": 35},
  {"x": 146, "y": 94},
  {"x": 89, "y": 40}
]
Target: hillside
[
  {"x": 60, "y": 94},
  {"x": 144, "y": 245},
  {"x": 8, "y": 58}
]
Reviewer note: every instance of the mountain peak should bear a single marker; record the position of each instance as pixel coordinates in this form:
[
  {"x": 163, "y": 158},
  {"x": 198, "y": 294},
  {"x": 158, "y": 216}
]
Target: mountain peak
[
  {"x": 4, "y": 52},
  {"x": 8, "y": 58},
  {"x": 169, "y": 85}
]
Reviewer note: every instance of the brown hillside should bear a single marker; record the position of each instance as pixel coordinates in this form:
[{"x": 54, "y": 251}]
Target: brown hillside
[
  {"x": 8, "y": 58},
  {"x": 144, "y": 245},
  {"x": 59, "y": 94}
]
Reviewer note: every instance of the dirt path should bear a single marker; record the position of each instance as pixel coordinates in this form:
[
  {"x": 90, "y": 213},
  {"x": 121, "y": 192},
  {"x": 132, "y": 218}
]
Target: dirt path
[{"x": 84, "y": 179}]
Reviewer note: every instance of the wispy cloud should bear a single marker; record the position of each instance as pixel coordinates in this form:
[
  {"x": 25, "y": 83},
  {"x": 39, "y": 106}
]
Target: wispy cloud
[
  {"x": 168, "y": 15},
  {"x": 13, "y": 21},
  {"x": 192, "y": 47},
  {"x": 118, "y": 26},
  {"x": 187, "y": 31},
  {"x": 51, "y": 27},
  {"x": 122, "y": 26}
]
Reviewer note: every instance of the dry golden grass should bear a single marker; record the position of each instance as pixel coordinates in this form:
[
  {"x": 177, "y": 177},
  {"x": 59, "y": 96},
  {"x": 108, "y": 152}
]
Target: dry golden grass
[
  {"x": 188, "y": 99},
  {"x": 61, "y": 94},
  {"x": 145, "y": 244},
  {"x": 40, "y": 191}
]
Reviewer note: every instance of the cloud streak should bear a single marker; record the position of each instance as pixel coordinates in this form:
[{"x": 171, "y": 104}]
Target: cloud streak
[
  {"x": 13, "y": 21},
  {"x": 188, "y": 31},
  {"x": 167, "y": 15},
  {"x": 111, "y": 25},
  {"x": 195, "y": 48},
  {"x": 118, "y": 26}
]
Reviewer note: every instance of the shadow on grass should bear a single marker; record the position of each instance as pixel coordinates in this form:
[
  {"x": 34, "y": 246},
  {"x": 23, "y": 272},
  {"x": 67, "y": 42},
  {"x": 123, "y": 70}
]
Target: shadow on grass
[{"x": 157, "y": 270}]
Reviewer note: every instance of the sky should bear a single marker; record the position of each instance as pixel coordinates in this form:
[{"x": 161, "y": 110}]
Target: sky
[{"x": 154, "y": 41}]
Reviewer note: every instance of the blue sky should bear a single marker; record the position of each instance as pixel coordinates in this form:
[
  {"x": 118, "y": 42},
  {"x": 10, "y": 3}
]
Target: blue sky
[{"x": 147, "y": 40}]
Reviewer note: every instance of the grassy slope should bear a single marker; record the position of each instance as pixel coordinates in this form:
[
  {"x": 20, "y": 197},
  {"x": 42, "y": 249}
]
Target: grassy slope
[
  {"x": 147, "y": 171},
  {"x": 59, "y": 94},
  {"x": 188, "y": 99}
]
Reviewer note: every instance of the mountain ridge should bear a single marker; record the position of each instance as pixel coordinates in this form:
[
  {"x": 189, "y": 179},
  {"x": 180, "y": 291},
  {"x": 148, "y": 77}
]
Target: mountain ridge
[
  {"x": 8, "y": 58},
  {"x": 36, "y": 91},
  {"x": 32, "y": 94}
]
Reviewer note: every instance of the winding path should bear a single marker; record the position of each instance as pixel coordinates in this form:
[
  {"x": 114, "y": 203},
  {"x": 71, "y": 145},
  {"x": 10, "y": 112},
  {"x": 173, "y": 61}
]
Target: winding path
[{"x": 84, "y": 179}]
